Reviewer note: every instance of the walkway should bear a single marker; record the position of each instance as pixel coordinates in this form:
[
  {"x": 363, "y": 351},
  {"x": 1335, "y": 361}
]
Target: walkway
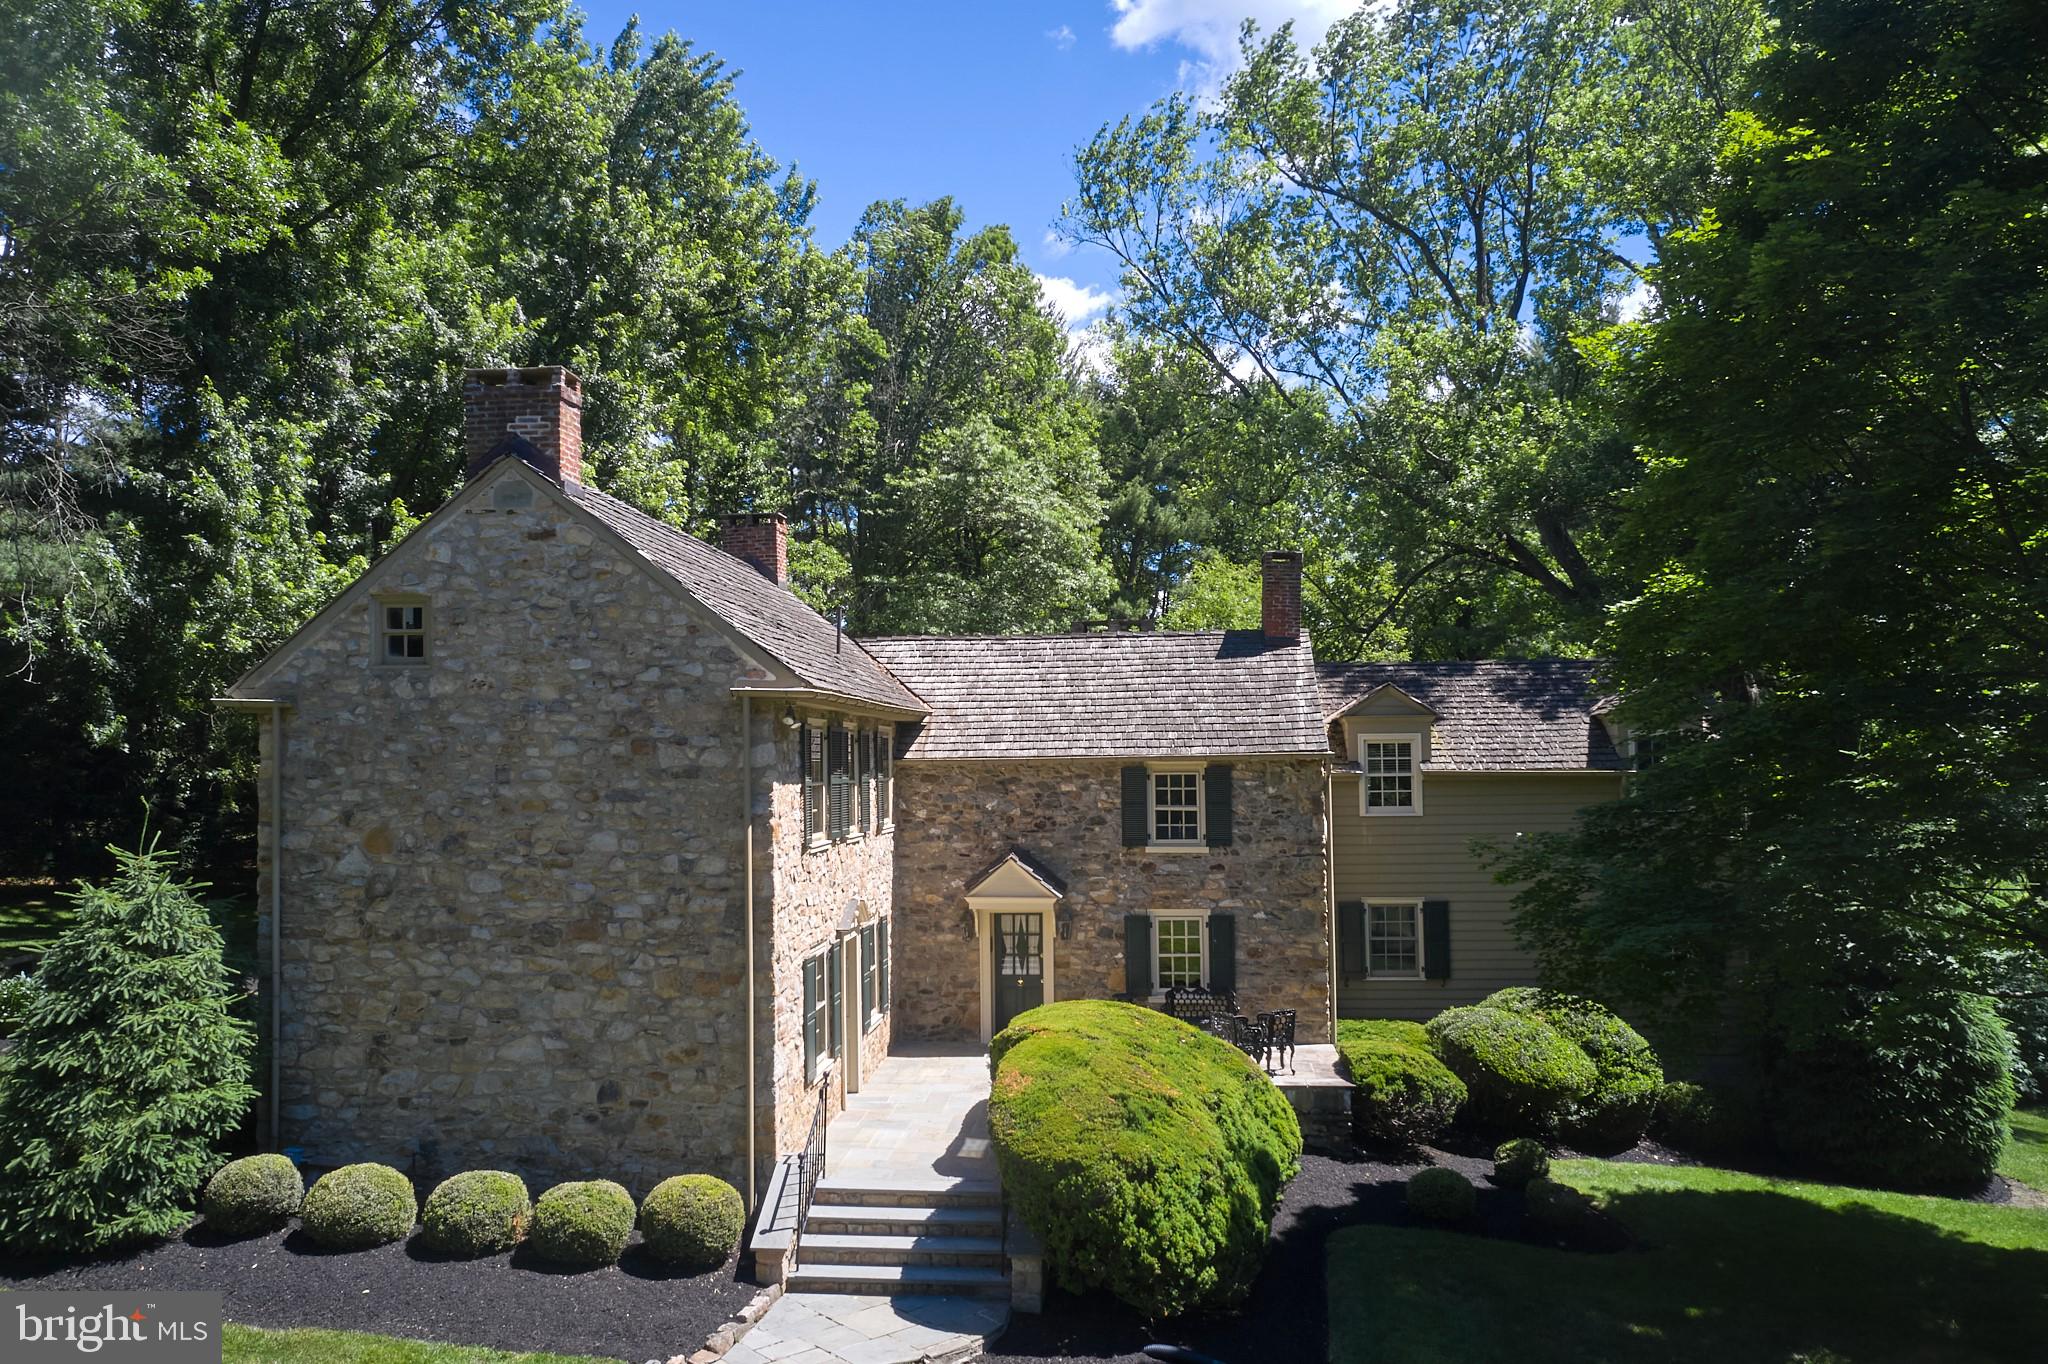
[{"x": 918, "y": 1127}]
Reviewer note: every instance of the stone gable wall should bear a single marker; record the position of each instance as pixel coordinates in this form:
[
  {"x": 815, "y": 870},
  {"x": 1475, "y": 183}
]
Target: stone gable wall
[
  {"x": 955, "y": 818},
  {"x": 513, "y": 926}
]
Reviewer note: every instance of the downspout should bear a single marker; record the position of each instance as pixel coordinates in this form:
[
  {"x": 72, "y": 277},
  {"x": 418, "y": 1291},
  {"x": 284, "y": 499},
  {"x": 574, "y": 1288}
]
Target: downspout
[
  {"x": 747, "y": 863},
  {"x": 1330, "y": 884},
  {"x": 276, "y": 922}
]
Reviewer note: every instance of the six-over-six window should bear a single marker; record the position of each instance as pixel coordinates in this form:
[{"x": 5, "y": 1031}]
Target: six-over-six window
[
  {"x": 1177, "y": 806},
  {"x": 1179, "y": 947},
  {"x": 848, "y": 771},
  {"x": 1393, "y": 939},
  {"x": 1389, "y": 775}
]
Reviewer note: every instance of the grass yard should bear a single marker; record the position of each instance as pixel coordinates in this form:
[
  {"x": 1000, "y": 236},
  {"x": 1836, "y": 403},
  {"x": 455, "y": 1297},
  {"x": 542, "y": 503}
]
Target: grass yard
[
  {"x": 1728, "y": 1267},
  {"x": 2026, "y": 1155},
  {"x": 32, "y": 914},
  {"x": 253, "y": 1345}
]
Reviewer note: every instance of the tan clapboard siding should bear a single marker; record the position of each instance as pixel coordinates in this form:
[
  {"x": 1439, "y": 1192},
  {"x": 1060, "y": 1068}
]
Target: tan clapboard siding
[{"x": 1429, "y": 857}]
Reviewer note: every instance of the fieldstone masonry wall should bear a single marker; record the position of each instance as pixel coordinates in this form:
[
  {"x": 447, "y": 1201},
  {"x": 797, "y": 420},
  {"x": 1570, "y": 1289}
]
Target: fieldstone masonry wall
[
  {"x": 512, "y": 889},
  {"x": 954, "y": 818}
]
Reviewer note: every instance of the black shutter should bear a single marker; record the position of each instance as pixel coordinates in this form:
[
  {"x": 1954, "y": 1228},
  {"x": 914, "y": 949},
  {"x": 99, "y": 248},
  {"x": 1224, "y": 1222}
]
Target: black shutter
[
  {"x": 838, "y": 787},
  {"x": 1436, "y": 939},
  {"x": 1138, "y": 952},
  {"x": 835, "y": 995},
  {"x": 1223, "y": 952},
  {"x": 1137, "y": 816},
  {"x": 814, "y": 778},
  {"x": 1216, "y": 792},
  {"x": 1351, "y": 938},
  {"x": 882, "y": 965},
  {"x": 811, "y": 993}
]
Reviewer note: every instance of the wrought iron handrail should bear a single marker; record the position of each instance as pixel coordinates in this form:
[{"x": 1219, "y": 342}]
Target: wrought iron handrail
[{"x": 810, "y": 1165}]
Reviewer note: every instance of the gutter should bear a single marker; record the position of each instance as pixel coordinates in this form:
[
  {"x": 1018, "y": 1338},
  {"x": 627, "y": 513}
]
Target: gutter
[{"x": 277, "y": 708}]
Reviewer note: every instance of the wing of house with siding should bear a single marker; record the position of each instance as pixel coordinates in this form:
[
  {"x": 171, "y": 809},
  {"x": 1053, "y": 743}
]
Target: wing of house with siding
[{"x": 1427, "y": 759}]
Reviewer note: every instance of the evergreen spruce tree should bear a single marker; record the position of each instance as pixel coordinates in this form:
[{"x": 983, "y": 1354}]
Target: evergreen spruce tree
[{"x": 125, "y": 1071}]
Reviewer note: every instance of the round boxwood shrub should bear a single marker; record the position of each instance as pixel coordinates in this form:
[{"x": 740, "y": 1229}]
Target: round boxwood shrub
[
  {"x": 1894, "y": 1090},
  {"x": 255, "y": 1193},
  {"x": 1521, "y": 1073},
  {"x": 692, "y": 1220},
  {"x": 1146, "y": 1154},
  {"x": 1404, "y": 1095},
  {"x": 359, "y": 1206},
  {"x": 1614, "y": 1116},
  {"x": 584, "y": 1224},
  {"x": 1441, "y": 1195},
  {"x": 476, "y": 1213},
  {"x": 1517, "y": 1162}
]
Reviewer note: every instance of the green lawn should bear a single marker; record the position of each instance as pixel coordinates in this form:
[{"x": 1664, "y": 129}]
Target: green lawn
[
  {"x": 32, "y": 914},
  {"x": 253, "y": 1345},
  {"x": 1727, "y": 1268},
  {"x": 2026, "y": 1155}
]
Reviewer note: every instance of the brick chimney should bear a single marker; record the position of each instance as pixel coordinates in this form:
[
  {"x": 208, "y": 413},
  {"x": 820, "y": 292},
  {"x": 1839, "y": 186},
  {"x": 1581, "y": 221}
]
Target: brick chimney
[
  {"x": 1280, "y": 595},
  {"x": 761, "y": 539},
  {"x": 535, "y": 413}
]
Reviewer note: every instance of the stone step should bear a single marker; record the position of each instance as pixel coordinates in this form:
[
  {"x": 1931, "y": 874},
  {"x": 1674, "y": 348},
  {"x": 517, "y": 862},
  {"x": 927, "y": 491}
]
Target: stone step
[
  {"x": 860, "y": 1219},
  {"x": 817, "y": 1249},
  {"x": 965, "y": 1280},
  {"x": 909, "y": 1191}
]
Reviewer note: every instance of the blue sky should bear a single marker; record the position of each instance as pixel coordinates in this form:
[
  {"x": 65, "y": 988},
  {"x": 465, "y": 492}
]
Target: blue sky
[{"x": 985, "y": 100}]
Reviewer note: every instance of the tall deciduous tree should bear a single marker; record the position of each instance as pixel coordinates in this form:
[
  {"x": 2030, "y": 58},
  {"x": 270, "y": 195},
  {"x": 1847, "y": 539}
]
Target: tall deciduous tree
[
  {"x": 1406, "y": 229},
  {"x": 1842, "y": 644}
]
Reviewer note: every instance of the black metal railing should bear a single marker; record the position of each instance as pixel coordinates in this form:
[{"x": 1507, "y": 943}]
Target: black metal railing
[{"x": 810, "y": 1165}]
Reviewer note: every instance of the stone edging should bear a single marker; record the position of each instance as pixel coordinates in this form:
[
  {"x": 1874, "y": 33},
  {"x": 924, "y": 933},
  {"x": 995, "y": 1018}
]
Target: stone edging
[{"x": 730, "y": 1334}]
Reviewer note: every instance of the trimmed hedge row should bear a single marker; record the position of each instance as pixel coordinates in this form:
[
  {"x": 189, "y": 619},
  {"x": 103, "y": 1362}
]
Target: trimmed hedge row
[
  {"x": 1148, "y": 1155},
  {"x": 690, "y": 1220}
]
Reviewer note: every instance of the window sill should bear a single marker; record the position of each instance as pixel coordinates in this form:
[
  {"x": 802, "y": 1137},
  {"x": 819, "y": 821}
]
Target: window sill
[
  {"x": 1391, "y": 811},
  {"x": 1180, "y": 848}
]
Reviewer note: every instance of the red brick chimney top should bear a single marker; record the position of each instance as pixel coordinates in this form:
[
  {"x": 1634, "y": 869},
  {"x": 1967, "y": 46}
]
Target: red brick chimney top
[
  {"x": 1280, "y": 595},
  {"x": 762, "y": 539},
  {"x": 535, "y": 413}
]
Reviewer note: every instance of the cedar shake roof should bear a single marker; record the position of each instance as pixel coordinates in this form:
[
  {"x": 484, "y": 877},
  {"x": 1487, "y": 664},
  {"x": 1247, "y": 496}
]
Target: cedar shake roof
[
  {"x": 770, "y": 617},
  {"x": 1494, "y": 715},
  {"x": 1213, "y": 693},
  {"x": 1030, "y": 866}
]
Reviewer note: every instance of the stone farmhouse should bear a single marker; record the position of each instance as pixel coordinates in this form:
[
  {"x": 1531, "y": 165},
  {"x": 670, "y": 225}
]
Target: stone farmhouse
[{"x": 585, "y": 846}]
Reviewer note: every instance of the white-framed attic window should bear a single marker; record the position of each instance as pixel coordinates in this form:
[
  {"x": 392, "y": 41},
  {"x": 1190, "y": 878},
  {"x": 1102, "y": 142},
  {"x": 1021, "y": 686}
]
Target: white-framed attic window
[
  {"x": 401, "y": 629},
  {"x": 1390, "y": 774}
]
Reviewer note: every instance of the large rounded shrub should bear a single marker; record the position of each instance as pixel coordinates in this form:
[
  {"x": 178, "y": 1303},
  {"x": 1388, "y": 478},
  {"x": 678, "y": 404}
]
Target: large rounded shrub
[
  {"x": 1146, "y": 1154},
  {"x": 255, "y": 1193},
  {"x": 359, "y": 1206},
  {"x": 1907, "y": 1092},
  {"x": 1404, "y": 1095},
  {"x": 583, "y": 1224},
  {"x": 1521, "y": 1073},
  {"x": 1614, "y": 1116},
  {"x": 1441, "y": 1195},
  {"x": 476, "y": 1213},
  {"x": 692, "y": 1220}
]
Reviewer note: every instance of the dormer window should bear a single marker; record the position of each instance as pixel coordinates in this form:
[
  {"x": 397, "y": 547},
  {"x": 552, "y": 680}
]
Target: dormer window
[
  {"x": 402, "y": 631},
  {"x": 1388, "y": 780}
]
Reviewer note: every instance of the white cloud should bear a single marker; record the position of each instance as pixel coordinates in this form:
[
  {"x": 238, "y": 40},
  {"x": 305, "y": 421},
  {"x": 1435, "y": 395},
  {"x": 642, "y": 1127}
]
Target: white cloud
[
  {"x": 1054, "y": 244},
  {"x": 1209, "y": 28},
  {"x": 1062, "y": 37},
  {"x": 1640, "y": 298},
  {"x": 1074, "y": 302},
  {"x": 1090, "y": 346}
]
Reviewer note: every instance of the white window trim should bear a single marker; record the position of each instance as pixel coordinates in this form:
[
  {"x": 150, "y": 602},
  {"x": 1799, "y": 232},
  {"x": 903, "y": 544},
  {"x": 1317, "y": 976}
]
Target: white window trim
[
  {"x": 1158, "y": 994},
  {"x": 379, "y": 631},
  {"x": 1200, "y": 842},
  {"x": 1421, "y": 971},
  {"x": 1414, "y": 742}
]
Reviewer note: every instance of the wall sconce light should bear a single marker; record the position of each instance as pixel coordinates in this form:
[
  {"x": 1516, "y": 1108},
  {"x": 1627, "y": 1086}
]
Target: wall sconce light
[
  {"x": 967, "y": 924},
  {"x": 789, "y": 720},
  {"x": 1063, "y": 922}
]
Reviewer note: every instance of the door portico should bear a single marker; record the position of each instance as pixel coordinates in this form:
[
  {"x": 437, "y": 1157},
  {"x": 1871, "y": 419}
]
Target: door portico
[{"x": 1015, "y": 905}]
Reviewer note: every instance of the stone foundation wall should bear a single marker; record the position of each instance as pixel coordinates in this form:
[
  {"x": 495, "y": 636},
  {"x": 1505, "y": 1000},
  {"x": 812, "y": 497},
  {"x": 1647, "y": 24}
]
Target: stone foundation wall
[
  {"x": 954, "y": 818},
  {"x": 513, "y": 928}
]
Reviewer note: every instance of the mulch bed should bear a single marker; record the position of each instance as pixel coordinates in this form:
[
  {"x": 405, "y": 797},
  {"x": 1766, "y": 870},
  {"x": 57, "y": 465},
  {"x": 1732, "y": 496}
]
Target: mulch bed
[
  {"x": 637, "y": 1310},
  {"x": 1286, "y": 1317}
]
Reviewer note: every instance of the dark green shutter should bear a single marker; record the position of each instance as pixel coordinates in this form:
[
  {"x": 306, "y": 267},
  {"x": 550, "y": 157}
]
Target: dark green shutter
[
  {"x": 811, "y": 992},
  {"x": 1216, "y": 792},
  {"x": 835, "y": 995},
  {"x": 1137, "y": 816},
  {"x": 868, "y": 983},
  {"x": 1138, "y": 952},
  {"x": 882, "y": 964},
  {"x": 814, "y": 778},
  {"x": 1223, "y": 953},
  {"x": 838, "y": 782},
  {"x": 1436, "y": 939},
  {"x": 1351, "y": 938}
]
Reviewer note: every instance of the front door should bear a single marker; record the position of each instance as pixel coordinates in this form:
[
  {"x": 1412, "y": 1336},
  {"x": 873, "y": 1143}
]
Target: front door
[{"x": 1019, "y": 975}]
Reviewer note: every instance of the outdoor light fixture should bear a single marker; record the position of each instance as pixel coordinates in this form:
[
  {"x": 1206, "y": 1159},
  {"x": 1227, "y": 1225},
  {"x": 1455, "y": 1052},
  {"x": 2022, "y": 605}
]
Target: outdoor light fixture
[
  {"x": 789, "y": 720},
  {"x": 1063, "y": 921}
]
